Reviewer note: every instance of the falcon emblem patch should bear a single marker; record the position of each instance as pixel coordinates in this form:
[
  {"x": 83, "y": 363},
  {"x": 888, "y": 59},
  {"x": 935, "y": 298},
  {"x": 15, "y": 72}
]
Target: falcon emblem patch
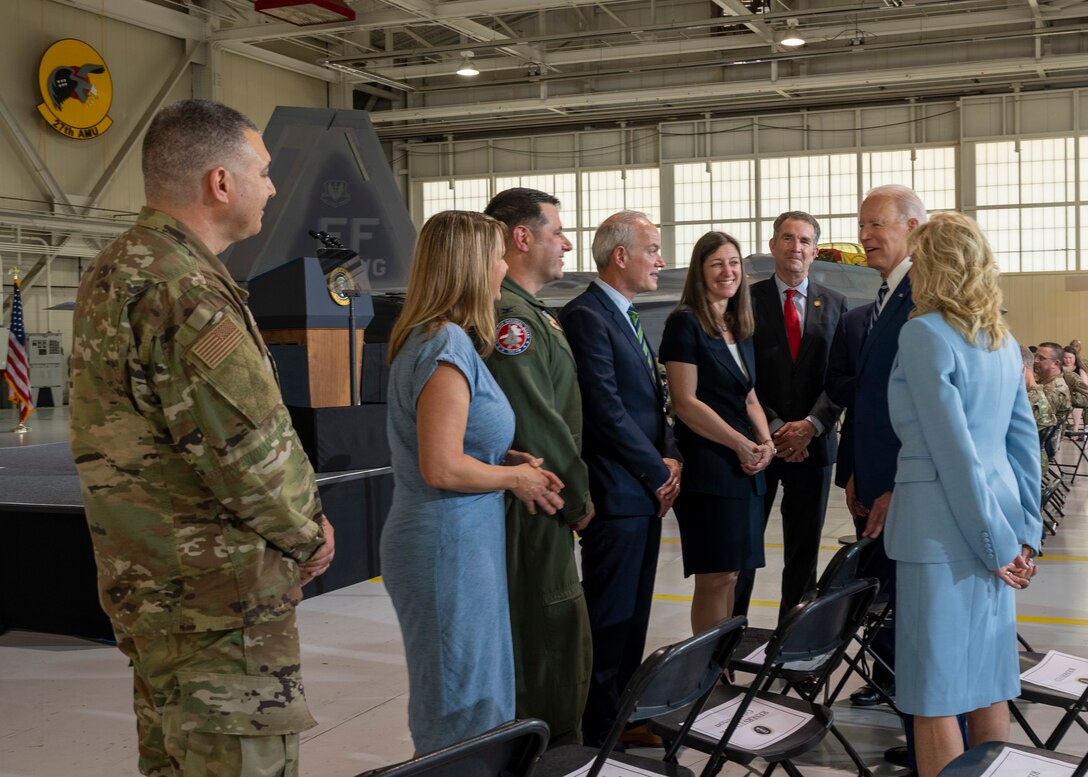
[{"x": 512, "y": 337}]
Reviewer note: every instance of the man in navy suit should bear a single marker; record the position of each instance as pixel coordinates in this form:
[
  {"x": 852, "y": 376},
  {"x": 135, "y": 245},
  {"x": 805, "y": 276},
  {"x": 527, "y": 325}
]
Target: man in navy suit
[
  {"x": 863, "y": 353},
  {"x": 791, "y": 347},
  {"x": 634, "y": 466}
]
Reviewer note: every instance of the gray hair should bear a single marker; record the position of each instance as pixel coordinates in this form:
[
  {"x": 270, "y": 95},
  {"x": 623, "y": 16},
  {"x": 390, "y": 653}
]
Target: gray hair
[
  {"x": 907, "y": 203},
  {"x": 186, "y": 140},
  {"x": 616, "y": 230}
]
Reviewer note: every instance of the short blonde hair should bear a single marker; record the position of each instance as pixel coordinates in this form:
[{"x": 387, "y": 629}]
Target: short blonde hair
[
  {"x": 955, "y": 274},
  {"x": 449, "y": 279}
]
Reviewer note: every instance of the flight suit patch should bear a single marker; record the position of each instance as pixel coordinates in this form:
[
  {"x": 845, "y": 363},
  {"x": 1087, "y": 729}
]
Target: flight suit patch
[
  {"x": 512, "y": 336},
  {"x": 551, "y": 320},
  {"x": 217, "y": 344}
]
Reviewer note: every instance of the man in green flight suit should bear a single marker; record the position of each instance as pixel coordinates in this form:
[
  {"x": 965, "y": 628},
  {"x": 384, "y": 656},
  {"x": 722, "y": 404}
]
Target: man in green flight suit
[
  {"x": 201, "y": 503},
  {"x": 535, "y": 368}
]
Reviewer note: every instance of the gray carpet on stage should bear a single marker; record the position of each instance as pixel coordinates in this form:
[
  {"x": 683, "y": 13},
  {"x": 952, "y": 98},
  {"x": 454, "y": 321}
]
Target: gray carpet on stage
[{"x": 39, "y": 475}]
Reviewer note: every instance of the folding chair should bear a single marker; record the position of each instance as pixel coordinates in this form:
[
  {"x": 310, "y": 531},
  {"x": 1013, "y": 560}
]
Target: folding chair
[
  {"x": 1074, "y": 706},
  {"x": 672, "y": 678},
  {"x": 509, "y": 750},
  {"x": 1077, "y": 439},
  {"x": 978, "y": 759},
  {"x": 840, "y": 571},
  {"x": 818, "y": 629}
]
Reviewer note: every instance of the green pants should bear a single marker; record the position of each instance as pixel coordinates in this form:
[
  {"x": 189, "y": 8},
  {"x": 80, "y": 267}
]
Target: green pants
[{"x": 220, "y": 704}]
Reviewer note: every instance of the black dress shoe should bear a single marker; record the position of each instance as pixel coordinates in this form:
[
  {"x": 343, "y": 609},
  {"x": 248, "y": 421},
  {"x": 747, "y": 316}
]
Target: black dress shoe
[
  {"x": 866, "y": 696},
  {"x": 897, "y": 755}
]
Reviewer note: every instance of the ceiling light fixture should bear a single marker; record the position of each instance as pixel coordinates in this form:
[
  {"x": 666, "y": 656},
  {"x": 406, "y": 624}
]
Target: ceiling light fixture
[
  {"x": 791, "y": 37},
  {"x": 467, "y": 68},
  {"x": 306, "y": 12}
]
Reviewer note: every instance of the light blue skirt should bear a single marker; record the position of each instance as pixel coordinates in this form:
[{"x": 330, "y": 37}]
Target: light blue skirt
[
  {"x": 955, "y": 638},
  {"x": 444, "y": 565}
]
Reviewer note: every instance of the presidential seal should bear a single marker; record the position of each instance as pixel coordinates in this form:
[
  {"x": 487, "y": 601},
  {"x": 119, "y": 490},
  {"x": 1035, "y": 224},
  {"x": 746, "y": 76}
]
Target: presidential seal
[{"x": 76, "y": 89}]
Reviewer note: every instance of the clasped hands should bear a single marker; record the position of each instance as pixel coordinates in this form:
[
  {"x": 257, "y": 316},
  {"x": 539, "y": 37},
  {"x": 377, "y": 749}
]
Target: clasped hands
[
  {"x": 319, "y": 562},
  {"x": 792, "y": 439},
  {"x": 755, "y": 457},
  {"x": 1018, "y": 572},
  {"x": 535, "y": 486}
]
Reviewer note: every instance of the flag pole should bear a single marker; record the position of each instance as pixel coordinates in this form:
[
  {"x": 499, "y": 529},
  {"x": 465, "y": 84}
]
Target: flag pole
[{"x": 18, "y": 378}]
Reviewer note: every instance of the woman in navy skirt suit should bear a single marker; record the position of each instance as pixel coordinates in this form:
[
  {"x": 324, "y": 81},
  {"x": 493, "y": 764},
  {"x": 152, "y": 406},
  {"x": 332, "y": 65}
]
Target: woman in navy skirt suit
[
  {"x": 964, "y": 517},
  {"x": 720, "y": 427}
]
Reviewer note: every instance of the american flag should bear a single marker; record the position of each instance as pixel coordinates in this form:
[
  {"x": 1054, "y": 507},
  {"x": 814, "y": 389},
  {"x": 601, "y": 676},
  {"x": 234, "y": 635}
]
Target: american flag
[{"x": 17, "y": 373}]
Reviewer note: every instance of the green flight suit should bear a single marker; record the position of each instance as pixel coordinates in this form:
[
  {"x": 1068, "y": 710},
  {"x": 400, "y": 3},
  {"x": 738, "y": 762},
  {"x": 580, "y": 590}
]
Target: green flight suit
[{"x": 552, "y": 644}]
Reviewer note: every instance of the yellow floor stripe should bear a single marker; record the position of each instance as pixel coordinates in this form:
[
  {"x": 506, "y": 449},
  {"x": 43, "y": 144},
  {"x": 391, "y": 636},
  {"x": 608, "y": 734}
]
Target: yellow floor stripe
[
  {"x": 1048, "y": 557},
  {"x": 779, "y": 545},
  {"x": 1060, "y": 621},
  {"x": 1019, "y": 619}
]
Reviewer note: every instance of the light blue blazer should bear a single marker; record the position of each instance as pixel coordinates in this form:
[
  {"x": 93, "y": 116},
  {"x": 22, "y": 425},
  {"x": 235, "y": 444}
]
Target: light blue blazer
[{"x": 967, "y": 480}]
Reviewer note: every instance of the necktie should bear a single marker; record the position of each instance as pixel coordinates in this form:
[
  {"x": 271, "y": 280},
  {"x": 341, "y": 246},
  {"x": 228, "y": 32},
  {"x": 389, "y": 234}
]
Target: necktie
[
  {"x": 793, "y": 323},
  {"x": 633, "y": 315},
  {"x": 880, "y": 295}
]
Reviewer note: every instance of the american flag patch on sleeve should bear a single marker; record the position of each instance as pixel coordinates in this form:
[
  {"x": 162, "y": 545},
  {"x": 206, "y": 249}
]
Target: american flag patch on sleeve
[{"x": 217, "y": 344}]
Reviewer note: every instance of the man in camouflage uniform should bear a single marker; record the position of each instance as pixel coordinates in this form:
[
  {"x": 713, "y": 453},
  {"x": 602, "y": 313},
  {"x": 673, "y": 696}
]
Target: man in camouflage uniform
[
  {"x": 1048, "y": 371},
  {"x": 1040, "y": 405},
  {"x": 535, "y": 368},
  {"x": 201, "y": 503}
]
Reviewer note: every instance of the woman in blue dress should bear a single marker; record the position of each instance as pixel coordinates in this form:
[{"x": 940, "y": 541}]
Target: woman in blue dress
[
  {"x": 720, "y": 427},
  {"x": 964, "y": 517},
  {"x": 443, "y": 546}
]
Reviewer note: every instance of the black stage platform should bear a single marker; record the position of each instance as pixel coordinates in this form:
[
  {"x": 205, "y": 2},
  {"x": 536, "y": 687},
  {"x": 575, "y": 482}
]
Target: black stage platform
[{"x": 47, "y": 575}]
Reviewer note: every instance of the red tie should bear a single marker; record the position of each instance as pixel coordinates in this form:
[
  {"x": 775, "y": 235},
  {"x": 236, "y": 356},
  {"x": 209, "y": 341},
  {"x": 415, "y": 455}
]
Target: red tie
[{"x": 793, "y": 323}]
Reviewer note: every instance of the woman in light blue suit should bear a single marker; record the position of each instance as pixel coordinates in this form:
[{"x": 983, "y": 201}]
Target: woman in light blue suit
[{"x": 964, "y": 518}]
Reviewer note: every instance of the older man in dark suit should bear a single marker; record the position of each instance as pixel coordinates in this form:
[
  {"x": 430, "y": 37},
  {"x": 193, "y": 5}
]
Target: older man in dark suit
[
  {"x": 796, "y": 320},
  {"x": 863, "y": 353},
  {"x": 634, "y": 467}
]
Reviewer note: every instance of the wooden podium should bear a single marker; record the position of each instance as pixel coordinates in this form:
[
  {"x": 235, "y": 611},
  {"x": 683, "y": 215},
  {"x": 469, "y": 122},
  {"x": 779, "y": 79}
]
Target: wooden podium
[
  {"x": 326, "y": 361},
  {"x": 307, "y": 332}
]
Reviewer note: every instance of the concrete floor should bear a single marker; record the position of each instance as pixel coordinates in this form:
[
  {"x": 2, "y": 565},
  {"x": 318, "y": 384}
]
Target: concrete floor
[{"x": 65, "y": 703}]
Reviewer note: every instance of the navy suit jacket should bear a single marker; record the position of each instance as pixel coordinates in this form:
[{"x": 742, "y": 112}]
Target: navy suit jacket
[
  {"x": 875, "y": 445},
  {"x": 709, "y": 466},
  {"x": 792, "y": 390},
  {"x": 625, "y": 435},
  {"x": 841, "y": 383}
]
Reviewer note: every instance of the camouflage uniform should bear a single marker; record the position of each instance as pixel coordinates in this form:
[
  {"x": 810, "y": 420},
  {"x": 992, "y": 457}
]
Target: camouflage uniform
[
  {"x": 1057, "y": 394},
  {"x": 1044, "y": 417},
  {"x": 553, "y": 651},
  {"x": 1078, "y": 389},
  {"x": 200, "y": 502}
]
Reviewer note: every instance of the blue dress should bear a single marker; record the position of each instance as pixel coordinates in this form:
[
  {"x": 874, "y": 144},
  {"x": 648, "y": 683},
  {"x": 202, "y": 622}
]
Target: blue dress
[{"x": 443, "y": 555}]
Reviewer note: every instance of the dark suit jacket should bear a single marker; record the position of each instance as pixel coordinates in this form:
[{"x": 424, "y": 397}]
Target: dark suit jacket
[
  {"x": 625, "y": 435},
  {"x": 841, "y": 383},
  {"x": 876, "y": 446},
  {"x": 709, "y": 466},
  {"x": 792, "y": 390}
]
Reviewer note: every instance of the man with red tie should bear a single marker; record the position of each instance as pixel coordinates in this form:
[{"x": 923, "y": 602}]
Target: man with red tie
[{"x": 795, "y": 323}]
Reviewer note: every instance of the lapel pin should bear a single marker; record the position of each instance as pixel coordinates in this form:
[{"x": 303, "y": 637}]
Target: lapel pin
[{"x": 816, "y": 303}]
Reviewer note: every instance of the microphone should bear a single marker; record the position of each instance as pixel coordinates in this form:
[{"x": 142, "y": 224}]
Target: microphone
[{"x": 327, "y": 240}]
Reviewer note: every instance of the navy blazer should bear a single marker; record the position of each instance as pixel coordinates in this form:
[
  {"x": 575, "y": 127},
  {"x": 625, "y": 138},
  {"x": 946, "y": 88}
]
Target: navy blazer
[
  {"x": 840, "y": 383},
  {"x": 967, "y": 484},
  {"x": 875, "y": 444},
  {"x": 709, "y": 466},
  {"x": 625, "y": 435},
  {"x": 788, "y": 389}
]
